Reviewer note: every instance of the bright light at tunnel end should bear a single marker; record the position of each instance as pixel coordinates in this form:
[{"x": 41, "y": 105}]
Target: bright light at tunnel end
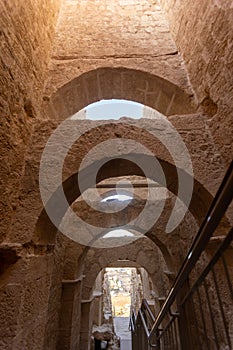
[{"x": 51, "y": 167}]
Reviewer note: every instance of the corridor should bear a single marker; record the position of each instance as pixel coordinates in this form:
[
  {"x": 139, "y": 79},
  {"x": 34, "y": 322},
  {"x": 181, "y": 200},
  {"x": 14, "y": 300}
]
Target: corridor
[
  {"x": 116, "y": 135},
  {"x": 121, "y": 325}
]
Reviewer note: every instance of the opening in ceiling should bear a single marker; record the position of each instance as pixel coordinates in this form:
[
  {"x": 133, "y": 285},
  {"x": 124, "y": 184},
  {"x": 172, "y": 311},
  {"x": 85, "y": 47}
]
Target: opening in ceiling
[
  {"x": 117, "y": 197},
  {"x": 111, "y": 109},
  {"x": 118, "y": 233}
]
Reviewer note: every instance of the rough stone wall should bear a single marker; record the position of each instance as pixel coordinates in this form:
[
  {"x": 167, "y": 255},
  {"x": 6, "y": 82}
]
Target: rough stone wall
[
  {"x": 203, "y": 33},
  {"x": 23, "y": 303},
  {"x": 122, "y": 36},
  {"x": 70, "y": 312},
  {"x": 54, "y": 305},
  {"x": 133, "y": 34},
  {"x": 26, "y": 33},
  {"x": 136, "y": 290},
  {"x": 30, "y": 294}
]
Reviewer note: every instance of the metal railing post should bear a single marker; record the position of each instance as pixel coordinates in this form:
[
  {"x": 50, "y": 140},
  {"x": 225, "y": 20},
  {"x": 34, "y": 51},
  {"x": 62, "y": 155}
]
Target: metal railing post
[{"x": 183, "y": 330}]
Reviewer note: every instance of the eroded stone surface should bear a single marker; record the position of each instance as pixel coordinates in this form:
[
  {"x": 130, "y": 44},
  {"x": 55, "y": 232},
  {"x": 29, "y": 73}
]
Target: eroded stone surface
[
  {"x": 129, "y": 53},
  {"x": 26, "y": 39},
  {"x": 205, "y": 42}
]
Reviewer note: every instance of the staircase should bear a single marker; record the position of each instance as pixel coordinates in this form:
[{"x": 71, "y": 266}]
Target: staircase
[{"x": 198, "y": 312}]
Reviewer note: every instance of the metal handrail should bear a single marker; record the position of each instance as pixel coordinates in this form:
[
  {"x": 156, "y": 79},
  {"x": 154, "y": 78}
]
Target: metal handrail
[
  {"x": 217, "y": 210},
  {"x": 147, "y": 308},
  {"x": 144, "y": 323},
  {"x": 132, "y": 321},
  {"x": 145, "y": 318},
  {"x": 211, "y": 264}
]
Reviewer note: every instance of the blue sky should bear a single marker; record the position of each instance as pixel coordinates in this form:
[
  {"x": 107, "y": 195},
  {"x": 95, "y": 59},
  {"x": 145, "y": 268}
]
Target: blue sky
[{"x": 114, "y": 109}]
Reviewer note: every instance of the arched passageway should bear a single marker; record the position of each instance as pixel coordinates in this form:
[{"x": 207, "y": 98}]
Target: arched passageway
[{"x": 175, "y": 59}]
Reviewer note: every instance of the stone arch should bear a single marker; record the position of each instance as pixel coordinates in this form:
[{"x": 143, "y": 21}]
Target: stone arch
[
  {"x": 39, "y": 228},
  {"x": 118, "y": 83},
  {"x": 199, "y": 204},
  {"x": 142, "y": 253},
  {"x": 115, "y": 166},
  {"x": 156, "y": 242}
]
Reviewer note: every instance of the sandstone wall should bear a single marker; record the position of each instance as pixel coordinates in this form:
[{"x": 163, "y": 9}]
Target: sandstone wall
[
  {"x": 127, "y": 33},
  {"x": 26, "y": 33},
  {"x": 132, "y": 34},
  {"x": 203, "y": 33}
]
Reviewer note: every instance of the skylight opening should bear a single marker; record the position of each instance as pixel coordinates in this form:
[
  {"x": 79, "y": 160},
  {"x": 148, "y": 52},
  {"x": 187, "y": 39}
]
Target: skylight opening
[
  {"x": 119, "y": 233},
  {"x": 117, "y": 197},
  {"x": 110, "y": 109}
]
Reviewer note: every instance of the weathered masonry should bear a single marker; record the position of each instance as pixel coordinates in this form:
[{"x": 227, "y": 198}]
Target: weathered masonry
[{"x": 63, "y": 175}]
